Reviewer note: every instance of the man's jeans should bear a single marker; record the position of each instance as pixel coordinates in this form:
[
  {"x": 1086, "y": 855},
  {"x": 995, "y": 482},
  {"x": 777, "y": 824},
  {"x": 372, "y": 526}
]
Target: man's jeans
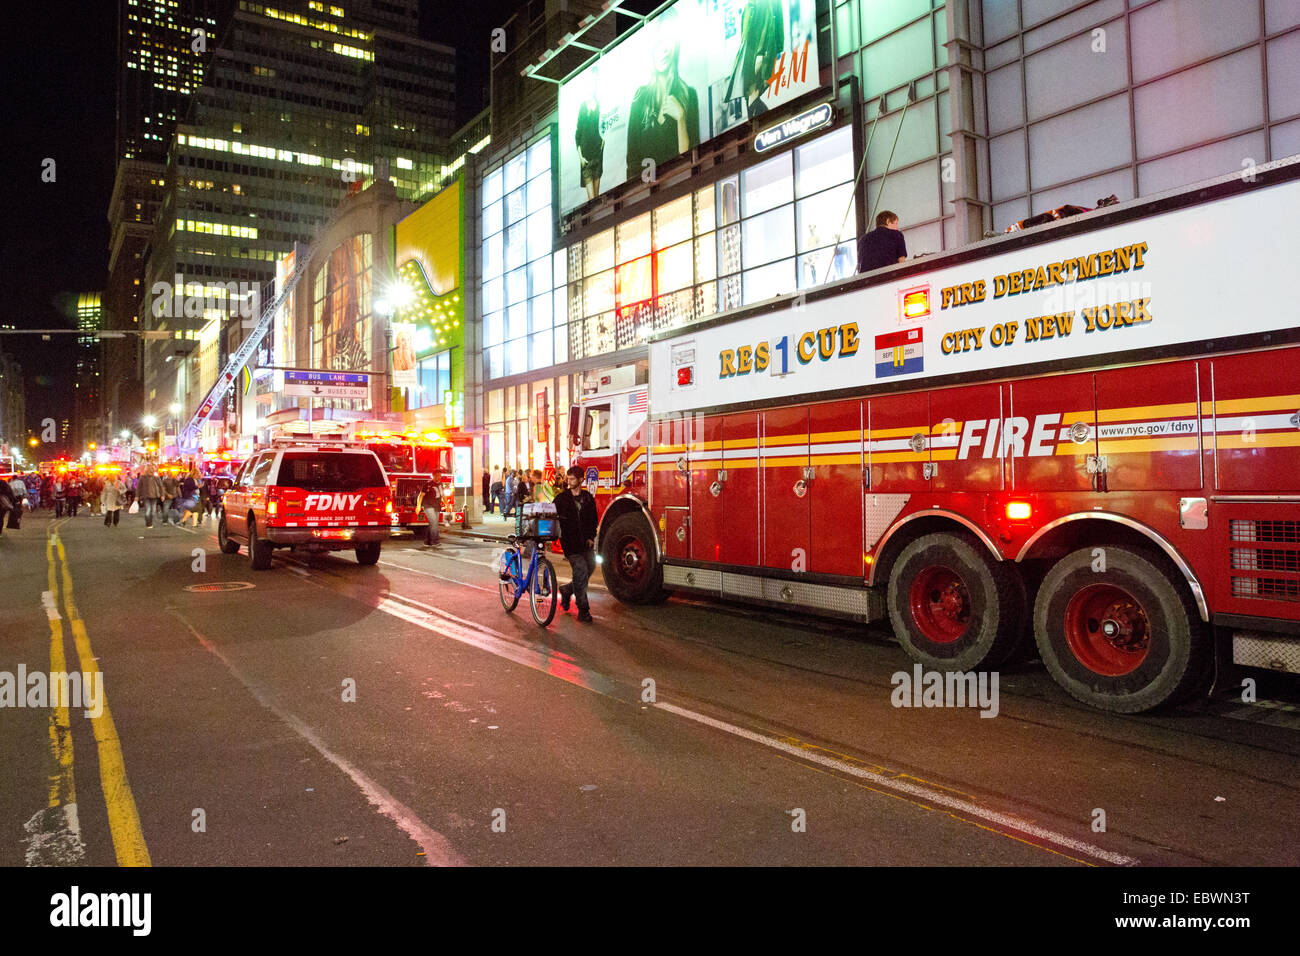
[
  {"x": 435, "y": 530},
  {"x": 583, "y": 566},
  {"x": 150, "y": 507}
]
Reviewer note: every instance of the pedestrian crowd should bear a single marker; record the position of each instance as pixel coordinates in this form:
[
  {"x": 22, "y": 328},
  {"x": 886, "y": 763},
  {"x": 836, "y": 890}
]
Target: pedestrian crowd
[
  {"x": 178, "y": 497},
  {"x": 506, "y": 492}
]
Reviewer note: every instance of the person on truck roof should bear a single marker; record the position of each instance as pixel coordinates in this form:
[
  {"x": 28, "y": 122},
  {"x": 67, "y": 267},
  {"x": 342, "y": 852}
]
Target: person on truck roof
[{"x": 882, "y": 246}]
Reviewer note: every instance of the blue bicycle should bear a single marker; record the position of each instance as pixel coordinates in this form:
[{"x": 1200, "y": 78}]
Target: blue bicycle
[{"x": 539, "y": 582}]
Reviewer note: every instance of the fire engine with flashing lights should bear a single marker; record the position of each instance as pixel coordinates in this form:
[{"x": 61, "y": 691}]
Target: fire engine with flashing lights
[
  {"x": 411, "y": 458},
  {"x": 1084, "y": 434}
]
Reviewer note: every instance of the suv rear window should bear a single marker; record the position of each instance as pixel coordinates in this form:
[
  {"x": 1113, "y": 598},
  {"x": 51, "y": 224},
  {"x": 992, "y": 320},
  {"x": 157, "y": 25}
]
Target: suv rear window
[{"x": 329, "y": 471}]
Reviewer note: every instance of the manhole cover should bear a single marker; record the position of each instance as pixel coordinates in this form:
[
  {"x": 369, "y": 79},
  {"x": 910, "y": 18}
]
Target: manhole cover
[{"x": 221, "y": 586}]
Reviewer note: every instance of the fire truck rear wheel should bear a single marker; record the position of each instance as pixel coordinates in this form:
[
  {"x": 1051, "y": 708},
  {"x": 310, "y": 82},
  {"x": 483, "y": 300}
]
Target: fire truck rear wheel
[
  {"x": 259, "y": 551},
  {"x": 1122, "y": 635},
  {"x": 368, "y": 553},
  {"x": 629, "y": 562},
  {"x": 223, "y": 537},
  {"x": 952, "y": 606}
]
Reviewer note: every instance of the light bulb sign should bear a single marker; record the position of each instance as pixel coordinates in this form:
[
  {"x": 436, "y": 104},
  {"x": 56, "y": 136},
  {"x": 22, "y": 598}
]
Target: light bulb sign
[{"x": 794, "y": 127}]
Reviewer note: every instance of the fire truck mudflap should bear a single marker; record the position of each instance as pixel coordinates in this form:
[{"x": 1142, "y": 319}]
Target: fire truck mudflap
[{"x": 1056, "y": 435}]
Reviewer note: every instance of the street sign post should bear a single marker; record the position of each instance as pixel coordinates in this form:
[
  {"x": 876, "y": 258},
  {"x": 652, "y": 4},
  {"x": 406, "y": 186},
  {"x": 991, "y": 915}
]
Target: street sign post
[{"x": 327, "y": 384}]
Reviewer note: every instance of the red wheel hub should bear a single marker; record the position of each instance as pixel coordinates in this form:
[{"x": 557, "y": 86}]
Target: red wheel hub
[
  {"x": 1107, "y": 630},
  {"x": 940, "y": 604},
  {"x": 632, "y": 559}
]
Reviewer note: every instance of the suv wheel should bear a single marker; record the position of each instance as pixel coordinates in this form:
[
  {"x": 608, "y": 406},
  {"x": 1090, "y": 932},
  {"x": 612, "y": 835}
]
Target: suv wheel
[
  {"x": 223, "y": 537},
  {"x": 368, "y": 553},
  {"x": 259, "y": 551}
]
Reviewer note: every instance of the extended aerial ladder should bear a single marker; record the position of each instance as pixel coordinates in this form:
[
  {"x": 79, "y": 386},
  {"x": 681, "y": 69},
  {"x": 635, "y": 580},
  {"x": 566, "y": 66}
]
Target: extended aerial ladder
[{"x": 188, "y": 439}]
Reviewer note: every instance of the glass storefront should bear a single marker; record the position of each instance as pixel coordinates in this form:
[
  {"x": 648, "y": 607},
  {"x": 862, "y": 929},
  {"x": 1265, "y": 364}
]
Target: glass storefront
[
  {"x": 517, "y": 236},
  {"x": 769, "y": 230},
  {"x": 512, "y": 416}
]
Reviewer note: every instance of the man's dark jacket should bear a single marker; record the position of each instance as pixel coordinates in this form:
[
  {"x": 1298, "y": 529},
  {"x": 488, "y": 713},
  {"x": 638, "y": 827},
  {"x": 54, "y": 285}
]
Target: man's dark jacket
[{"x": 577, "y": 520}]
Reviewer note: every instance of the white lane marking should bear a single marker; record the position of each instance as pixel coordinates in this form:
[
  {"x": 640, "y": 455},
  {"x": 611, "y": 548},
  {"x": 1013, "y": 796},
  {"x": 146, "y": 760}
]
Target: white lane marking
[
  {"x": 557, "y": 561},
  {"x": 51, "y": 606},
  {"x": 53, "y": 837},
  {"x": 927, "y": 794},
  {"x": 437, "y": 849},
  {"x": 430, "y": 574},
  {"x": 302, "y": 571},
  {"x": 468, "y": 632}
]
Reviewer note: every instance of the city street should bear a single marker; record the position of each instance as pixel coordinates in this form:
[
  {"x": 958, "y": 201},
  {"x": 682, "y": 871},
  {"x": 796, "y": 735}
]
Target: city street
[{"x": 326, "y": 713}]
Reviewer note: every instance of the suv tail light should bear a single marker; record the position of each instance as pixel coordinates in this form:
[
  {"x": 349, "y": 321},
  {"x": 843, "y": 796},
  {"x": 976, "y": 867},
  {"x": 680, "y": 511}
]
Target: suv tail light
[{"x": 272, "y": 503}]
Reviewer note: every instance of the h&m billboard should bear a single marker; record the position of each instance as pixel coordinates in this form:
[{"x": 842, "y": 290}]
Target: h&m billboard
[{"x": 694, "y": 71}]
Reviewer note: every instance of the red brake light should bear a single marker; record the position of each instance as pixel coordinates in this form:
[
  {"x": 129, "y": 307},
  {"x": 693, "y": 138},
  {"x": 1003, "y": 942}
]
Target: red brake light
[{"x": 685, "y": 374}]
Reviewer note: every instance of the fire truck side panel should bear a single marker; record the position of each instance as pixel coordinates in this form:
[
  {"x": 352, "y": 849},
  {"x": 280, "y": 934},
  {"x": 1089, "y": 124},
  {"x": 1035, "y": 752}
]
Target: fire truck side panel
[
  {"x": 1255, "y": 431},
  {"x": 740, "y": 489},
  {"x": 787, "y": 520},
  {"x": 669, "y": 484},
  {"x": 898, "y": 451},
  {"x": 708, "y": 526},
  {"x": 1148, "y": 428},
  {"x": 1039, "y": 411},
  {"x": 835, "y": 492},
  {"x": 960, "y": 422}
]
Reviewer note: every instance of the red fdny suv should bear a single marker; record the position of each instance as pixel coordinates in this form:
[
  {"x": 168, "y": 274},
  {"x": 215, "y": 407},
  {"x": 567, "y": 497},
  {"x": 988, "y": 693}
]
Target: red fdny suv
[{"x": 308, "y": 497}]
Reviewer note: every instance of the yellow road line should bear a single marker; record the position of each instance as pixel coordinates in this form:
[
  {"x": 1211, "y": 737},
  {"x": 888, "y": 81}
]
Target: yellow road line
[
  {"x": 63, "y": 787},
  {"x": 123, "y": 818}
]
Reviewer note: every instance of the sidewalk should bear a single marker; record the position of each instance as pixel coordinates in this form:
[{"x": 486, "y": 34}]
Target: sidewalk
[{"x": 491, "y": 527}]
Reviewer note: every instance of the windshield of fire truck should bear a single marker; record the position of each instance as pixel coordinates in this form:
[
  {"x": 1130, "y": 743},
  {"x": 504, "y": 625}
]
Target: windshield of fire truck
[
  {"x": 396, "y": 458},
  {"x": 432, "y": 461}
]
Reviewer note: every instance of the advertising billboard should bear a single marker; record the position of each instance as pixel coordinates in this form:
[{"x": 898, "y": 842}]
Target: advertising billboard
[{"x": 694, "y": 71}]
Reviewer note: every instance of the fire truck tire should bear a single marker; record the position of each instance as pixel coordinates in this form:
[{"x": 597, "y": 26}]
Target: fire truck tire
[
  {"x": 954, "y": 608},
  {"x": 223, "y": 538},
  {"x": 1122, "y": 636},
  {"x": 629, "y": 566},
  {"x": 368, "y": 553},
  {"x": 259, "y": 551}
]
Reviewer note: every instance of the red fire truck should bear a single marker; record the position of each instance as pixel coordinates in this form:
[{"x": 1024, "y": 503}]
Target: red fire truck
[
  {"x": 1086, "y": 432},
  {"x": 411, "y": 458}
]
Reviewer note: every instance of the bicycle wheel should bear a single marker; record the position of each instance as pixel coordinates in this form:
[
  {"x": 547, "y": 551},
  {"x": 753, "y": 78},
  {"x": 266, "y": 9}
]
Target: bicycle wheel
[
  {"x": 544, "y": 594},
  {"x": 510, "y": 588}
]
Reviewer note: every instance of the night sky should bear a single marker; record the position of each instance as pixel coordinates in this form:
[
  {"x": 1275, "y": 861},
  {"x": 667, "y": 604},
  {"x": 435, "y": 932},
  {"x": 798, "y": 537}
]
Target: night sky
[{"x": 60, "y": 102}]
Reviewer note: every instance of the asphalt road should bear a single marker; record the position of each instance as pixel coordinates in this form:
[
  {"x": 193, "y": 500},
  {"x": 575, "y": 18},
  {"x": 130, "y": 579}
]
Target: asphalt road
[{"x": 324, "y": 713}]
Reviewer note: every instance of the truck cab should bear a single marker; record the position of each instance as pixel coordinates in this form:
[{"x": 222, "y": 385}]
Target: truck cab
[{"x": 607, "y": 439}]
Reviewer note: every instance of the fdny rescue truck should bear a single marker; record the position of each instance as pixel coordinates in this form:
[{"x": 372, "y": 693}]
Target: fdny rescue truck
[
  {"x": 1086, "y": 432},
  {"x": 411, "y": 458}
]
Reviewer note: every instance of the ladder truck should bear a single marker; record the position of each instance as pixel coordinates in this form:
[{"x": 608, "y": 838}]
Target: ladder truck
[
  {"x": 188, "y": 439},
  {"x": 1084, "y": 434}
]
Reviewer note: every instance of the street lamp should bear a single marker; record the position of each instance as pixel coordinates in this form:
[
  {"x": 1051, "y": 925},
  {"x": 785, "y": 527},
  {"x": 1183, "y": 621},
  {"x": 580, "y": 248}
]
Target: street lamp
[{"x": 149, "y": 421}]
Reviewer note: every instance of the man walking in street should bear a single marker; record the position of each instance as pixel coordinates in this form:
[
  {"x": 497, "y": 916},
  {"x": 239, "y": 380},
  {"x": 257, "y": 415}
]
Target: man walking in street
[
  {"x": 576, "y": 510},
  {"x": 430, "y": 502},
  {"x": 171, "y": 490},
  {"x": 148, "y": 490}
]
